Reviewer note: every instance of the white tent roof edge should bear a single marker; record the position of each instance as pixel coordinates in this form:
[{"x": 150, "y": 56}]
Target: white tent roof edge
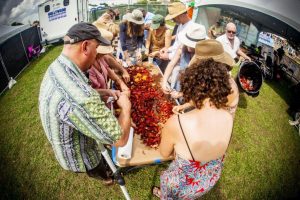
[{"x": 285, "y": 11}]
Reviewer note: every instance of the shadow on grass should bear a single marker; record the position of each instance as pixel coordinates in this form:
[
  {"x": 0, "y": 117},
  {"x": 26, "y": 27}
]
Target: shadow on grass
[
  {"x": 242, "y": 101},
  {"x": 282, "y": 88}
]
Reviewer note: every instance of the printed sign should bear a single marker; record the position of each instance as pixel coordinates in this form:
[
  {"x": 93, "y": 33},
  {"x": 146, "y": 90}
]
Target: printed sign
[
  {"x": 57, "y": 14},
  {"x": 266, "y": 38}
]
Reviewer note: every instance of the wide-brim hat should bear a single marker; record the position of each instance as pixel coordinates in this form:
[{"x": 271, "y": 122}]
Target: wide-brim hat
[
  {"x": 102, "y": 49},
  {"x": 212, "y": 49},
  {"x": 136, "y": 16},
  {"x": 193, "y": 35},
  {"x": 175, "y": 9}
]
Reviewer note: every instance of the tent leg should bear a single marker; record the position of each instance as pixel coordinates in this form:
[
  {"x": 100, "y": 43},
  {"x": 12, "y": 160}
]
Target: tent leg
[{"x": 117, "y": 175}]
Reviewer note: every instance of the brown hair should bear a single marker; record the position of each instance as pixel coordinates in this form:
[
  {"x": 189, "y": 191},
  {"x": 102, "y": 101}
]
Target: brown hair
[
  {"x": 134, "y": 29},
  {"x": 206, "y": 79}
]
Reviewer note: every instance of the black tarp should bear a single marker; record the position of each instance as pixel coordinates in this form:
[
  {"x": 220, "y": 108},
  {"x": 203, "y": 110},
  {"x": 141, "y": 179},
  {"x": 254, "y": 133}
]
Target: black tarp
[
  {"x": 13, "y": 55},
  {"x": 31, "y": 41},
  {"x": 17, "y": 51},
  {"x": 3, "y": 78}
]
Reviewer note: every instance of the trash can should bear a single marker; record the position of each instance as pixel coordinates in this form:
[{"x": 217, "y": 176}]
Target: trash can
[{"x": 250, "y": 78}]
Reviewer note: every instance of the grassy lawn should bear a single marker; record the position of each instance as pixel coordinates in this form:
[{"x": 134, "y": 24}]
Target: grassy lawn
[{"x": 263, "y": 159}]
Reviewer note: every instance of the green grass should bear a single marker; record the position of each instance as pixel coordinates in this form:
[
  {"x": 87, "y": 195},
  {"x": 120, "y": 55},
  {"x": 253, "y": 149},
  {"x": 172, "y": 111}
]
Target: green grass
[{"x": 263, "y": 159}]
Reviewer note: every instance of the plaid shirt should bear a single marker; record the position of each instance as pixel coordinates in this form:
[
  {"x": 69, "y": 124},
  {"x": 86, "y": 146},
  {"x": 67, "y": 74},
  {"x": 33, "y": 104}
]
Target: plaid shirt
[{"x": 74, "y": 117}]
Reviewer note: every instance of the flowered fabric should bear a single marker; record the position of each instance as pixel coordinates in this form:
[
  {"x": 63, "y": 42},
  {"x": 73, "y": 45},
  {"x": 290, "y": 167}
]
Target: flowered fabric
[
  {"x": 74, "y": 117},
  {"x": 187, "y": 179}
]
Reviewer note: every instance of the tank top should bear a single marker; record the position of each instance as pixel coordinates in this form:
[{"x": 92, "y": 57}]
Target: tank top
[{"x": 157, "y": 41}]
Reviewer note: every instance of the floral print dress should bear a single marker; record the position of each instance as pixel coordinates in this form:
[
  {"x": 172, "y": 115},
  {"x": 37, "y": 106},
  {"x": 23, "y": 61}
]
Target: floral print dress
[{"x": 188, "y": 179}]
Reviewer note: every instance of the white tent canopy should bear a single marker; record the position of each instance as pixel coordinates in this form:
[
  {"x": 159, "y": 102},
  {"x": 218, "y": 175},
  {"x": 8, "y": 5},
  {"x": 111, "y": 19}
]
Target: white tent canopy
[{"x": 275, "y": 16}]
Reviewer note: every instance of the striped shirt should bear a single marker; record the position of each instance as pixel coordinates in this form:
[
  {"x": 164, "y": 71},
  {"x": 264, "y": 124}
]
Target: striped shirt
[{"x": 74, "y": 117}]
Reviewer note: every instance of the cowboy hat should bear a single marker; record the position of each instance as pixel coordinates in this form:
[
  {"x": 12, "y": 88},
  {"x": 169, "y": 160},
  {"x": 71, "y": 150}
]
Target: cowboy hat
[
  {"x": 212, "y": 49},
  {"x": 175, "y": 9},
  {"x": 193, "y": 35},
  {"x": 136, "y": 16},
  {"x": 108, "y": 36}
]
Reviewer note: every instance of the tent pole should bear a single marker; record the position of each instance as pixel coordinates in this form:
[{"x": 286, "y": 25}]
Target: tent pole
[
  {"x": 24, "y": 47},
  {"x": 4, "y": 68}
]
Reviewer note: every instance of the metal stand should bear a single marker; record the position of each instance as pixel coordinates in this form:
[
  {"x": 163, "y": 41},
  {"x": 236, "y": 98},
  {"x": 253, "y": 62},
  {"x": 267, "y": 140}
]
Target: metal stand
[{"x": 117, "y": 175}]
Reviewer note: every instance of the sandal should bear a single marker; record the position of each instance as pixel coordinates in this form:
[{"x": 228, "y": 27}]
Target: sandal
[
  {"x": 155, "y": 191},
  {"x": 108, "y": 181}
]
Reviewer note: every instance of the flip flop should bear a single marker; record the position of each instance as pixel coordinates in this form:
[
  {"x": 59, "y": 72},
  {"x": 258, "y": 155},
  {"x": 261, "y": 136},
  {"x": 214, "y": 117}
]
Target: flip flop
[{"x": 156, "y": 191}]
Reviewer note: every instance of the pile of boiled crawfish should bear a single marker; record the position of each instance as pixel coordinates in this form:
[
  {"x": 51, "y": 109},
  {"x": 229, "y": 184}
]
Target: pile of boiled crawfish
[
  {"x": 150, "y": 108},
  {"x": 246, "y": 83}
]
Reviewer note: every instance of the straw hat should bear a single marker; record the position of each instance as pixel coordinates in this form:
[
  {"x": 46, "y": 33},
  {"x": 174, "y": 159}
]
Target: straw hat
[
  {"x": 105, "y": 18},
  {"x": 108, "y": 36},
  {"x": 136, "y": 16},
  {"x": 193, "y": 35},
  {"x": 212, "y": 49},
  {"x": 175, "y": 9},
  {"x": 100, "y": 25}
]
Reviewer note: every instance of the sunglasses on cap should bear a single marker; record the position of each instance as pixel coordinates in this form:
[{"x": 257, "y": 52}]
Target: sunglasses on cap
[{"x": 232, "y": 32}]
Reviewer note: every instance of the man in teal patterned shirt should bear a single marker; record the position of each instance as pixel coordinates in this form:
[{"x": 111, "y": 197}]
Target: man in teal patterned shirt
[{"x": 73, "y": 116}]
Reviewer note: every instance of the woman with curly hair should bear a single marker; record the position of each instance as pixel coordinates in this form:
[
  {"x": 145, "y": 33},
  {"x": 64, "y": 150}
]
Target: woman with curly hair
[{"x": 199, "y": 137}]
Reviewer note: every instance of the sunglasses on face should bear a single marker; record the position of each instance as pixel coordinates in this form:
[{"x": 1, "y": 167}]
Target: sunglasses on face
[{"x": 231, "y": 32}]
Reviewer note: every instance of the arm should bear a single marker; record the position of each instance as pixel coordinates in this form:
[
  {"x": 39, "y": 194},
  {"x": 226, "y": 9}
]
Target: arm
[
  {"x": 114, "y": 64},
  {"x": 169, "y": 70},
  {"x": 140, "y": 41},
  {"x": 233, "y": 98},
  {"x": 93, "y": 119},
  {"x": 124, "y": 119},
  {"x": 167, "y": 142},
  {"x": 112, "y": 75},
  {"x": 148, "y": 42},
  {"x": 241, "y": 53},
  {"x": 168, "y": 38}
]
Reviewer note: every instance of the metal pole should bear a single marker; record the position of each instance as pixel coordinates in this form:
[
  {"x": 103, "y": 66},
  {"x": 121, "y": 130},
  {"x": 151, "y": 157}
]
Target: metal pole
[
  {"x": 118, "y": 177},
  {"x": 24, "y": 47},
  {"x": 4, "y": 68}
]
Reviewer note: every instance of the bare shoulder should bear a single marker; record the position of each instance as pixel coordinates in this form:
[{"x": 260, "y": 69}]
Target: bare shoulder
[{"x": 170, "y": 123}]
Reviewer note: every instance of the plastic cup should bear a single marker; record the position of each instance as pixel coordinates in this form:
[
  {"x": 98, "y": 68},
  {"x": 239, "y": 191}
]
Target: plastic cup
[{"x": 150, "y": 60}]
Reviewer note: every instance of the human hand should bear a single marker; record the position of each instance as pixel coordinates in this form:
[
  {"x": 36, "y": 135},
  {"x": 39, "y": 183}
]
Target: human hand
[
  {"x": 163, "y": 54},
  {"x": 175, "y": 94},
  {"x": 112, "y": 93},
  {"x": 180, "y": 108},
  {"x": 166, "y": 87},
  {"x": 129, "y": 63},
  {"x": 139, "y": 56},
  {"x": 125, "y": 76},
  {"x": 147, "y": 26},
  {"x": 154, "y": 54},
  {"x": 248, "y": 58}
]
